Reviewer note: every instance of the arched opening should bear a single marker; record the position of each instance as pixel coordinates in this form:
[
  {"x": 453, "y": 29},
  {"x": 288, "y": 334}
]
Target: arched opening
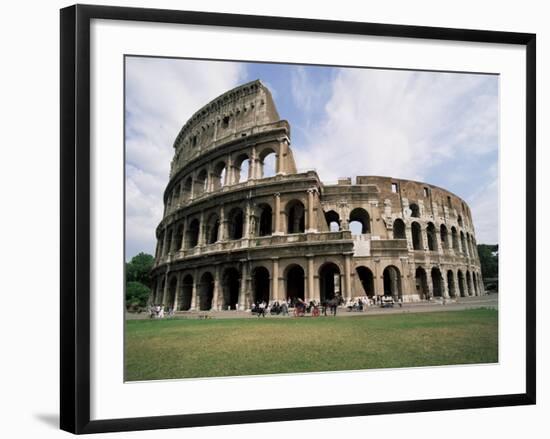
[
  {"x": 172, "y": 287},
  {"x": 392, "y": 281},
  {"x": 260, "y": 284},
  {"x": 193, "y": 233},
  {"x": 242, "y": 168},
  {"x": 329, "y": 281},
  {"x": 176, "y": 196},
  {"x": 359, "y": 221},
  {"x": 160, "y": 250},
  {"x": 454, "y": 236},
  {"x": 417, "y": 236},
  {"x": 463, "y": 242},
  {"x": 469, "y": 283},
  {"x": 415, "y": 210},
  {"x": 367, "y": 280},
  {"x": 160, "y": 291},
  {"x": 188, "y": 189},
  {"x": 421, "y": 283},
  {"x": 236, "y": 223},
  {"x": 459, "y": 220},
  {"x": 443, "y": 235},
  {"x": 179, "y": 238},
  {"x": 186, "y": 293},
  {"x": 432, "y": 237},
  {"x": 399, "y": 229},
  {"x": 231, "y": 283},
  {"x": 333, "y": 221},
  {"x": 268, "y": 162},
  {"x": 474, "y": 276},
  {"x": 201, "y": 183},
  {"x": 461, "y": 288},
  {"x": 295, "y": 282},
  {"x": 212, "y": 229},
  {"x": 265, "y": 222},
  {"x": 168, "y": 248},
  {"x": 218, "y": 176},
  {"x": 437, "y": 282},
  {"x": 206, "y": 292},
  {"x": 451, "y": 283},
  {"x": 295, "y": 214}
]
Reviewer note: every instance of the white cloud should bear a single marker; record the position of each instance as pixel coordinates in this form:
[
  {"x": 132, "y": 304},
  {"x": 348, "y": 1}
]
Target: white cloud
[{"x": 161, "y": 94}]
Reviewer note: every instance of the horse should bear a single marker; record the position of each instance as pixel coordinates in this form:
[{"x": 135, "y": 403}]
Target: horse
[{"x": 333, "y": 304}]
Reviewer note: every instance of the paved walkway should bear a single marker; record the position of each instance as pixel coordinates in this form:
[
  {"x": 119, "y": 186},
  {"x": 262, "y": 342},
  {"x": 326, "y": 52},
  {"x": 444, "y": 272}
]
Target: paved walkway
[{"x": 487, "y": 301}]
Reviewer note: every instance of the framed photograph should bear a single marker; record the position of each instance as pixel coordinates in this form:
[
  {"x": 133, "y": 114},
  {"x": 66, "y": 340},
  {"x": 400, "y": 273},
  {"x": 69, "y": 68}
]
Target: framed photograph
[{"x": 272, "y": 218}]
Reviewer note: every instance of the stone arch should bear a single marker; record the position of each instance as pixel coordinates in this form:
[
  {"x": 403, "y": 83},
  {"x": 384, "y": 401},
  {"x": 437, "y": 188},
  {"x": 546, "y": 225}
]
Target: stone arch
[
  {"x": 437, "y": 282},
  {"x": 474, "y": 281},
  {"x": 329, "y": 281},
  {"x": 179, "y": 238},
  {"x": 186, "y": 293},
  {"x": 201, "y": 182},
  {"x": 463, "y": 243},
  {"x": 360, "y": 217},
  {"x": 454, "y": 236},
  {"x": 461, "y": 288},
  {"x": 416, "y": 231},
  {"x": 160, "y": 291},
  {"x": 265, "y": 222},
  {"x": 172, "y": 289},
  {"x": 421, "y": 282},
  {"x": 206, "y": 291},
  {"x": 168, "y": 247},
  {"x": 218, "y": 175},
  {"x": 399, "y": 229},
  {"x": 459, "y": 221},
  {"x": 392, "y": 281},
  {"x": 295, "y": 216},
  {"x": 469, "y": 283},
  {"x": 432, "y": 237},
  {"x": 176, "y": 195},
  {"x": 193, "y": 233},
  {"x": 242, "y": 168},
  {"x": 212, "y": 228},
  {"x": 235, "y": 223},
  {"x": 333, "y": 220},
  {"x": 451, "y": 283},
  {"x": 444, "y": 236},
  {"x": 267, "y": 163},
  {"x": 231, "y": 284},
  {"x": 415, "y": 210},
  {"x": 367, "y": 280},
  {"x": 295, "y": 282},
  {"x": 260, "y": 284},
  {"x": 188, "y": 189}
]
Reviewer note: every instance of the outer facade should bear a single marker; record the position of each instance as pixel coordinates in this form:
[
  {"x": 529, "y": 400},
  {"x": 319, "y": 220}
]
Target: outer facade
[{"x": 233, "y": 234}]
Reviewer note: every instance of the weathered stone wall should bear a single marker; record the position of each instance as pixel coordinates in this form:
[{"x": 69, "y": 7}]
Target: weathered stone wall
[{"x": 227, "y": 240}]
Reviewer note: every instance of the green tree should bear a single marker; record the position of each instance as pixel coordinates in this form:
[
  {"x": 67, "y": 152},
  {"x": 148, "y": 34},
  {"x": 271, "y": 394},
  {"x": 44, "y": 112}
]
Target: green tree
[
  {"x": 488, "y": 257},
  {"x": 139, "y": 267},
  {"x": 136, "y": 295}
]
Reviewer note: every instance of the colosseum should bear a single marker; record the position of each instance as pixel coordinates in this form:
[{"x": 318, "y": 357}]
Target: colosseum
[{"x": 233, "y": 233}]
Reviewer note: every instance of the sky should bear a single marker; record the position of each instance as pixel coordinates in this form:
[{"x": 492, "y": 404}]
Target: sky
[{"x": 437, "y": 127}]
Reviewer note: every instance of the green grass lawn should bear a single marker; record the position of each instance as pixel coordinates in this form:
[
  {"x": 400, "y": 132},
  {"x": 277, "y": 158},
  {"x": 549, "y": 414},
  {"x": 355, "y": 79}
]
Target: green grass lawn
[{"x": 184, "y": 348}]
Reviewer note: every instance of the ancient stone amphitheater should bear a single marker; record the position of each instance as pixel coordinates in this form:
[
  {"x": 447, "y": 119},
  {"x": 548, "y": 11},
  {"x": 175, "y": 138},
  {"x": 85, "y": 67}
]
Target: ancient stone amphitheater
[{"x": 241, "y": 224}]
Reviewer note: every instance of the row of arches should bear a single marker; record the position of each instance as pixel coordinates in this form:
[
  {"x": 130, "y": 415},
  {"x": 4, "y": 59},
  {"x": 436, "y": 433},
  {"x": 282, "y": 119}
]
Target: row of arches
[
  {"x": 223, "y": 173},
  {"x": 219, "y": 226},
  {"x": 468, "y": 284},
  {"x": 358, "y": 221},
  {"x": 467, "y": 241}
]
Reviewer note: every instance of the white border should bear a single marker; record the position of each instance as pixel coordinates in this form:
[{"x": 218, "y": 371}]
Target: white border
[{"x": 111, "y": 398}]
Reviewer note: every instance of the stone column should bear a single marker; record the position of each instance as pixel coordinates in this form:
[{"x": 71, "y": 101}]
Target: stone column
[
  {"x": 253, "y": 165},
  {"x": 244, "y": 281},
  {"x": 195, "y": 292},
  {"x": 444, "y": 284},
  {"x": 176, "y": 295},
  {"x": 277, "y": 221},
  {"x": 228, "y": 171},
  {"x": 200, "y": 241},
  {"x": 408, "y": 235},
  {"x": 275, "y": 280},
  {"x": 165, "y": 250},
  {"x": 184, "y": 234},
  {"x": 347, "y": 275},
  {"x": 215, "y": 299},
  {"x": 310, "y": 281},
  {"x": 378, "y": 279},
  {"x": 311, "y": 223},
  {"x": 165, "y": 292},
  {"x": 246, "y": 231},
  {"x": 280, "y": 164},
  {"x": 429, "y": 283}
]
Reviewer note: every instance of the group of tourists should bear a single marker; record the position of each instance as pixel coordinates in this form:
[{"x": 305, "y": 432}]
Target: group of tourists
[{"x": 158, "y": 312}]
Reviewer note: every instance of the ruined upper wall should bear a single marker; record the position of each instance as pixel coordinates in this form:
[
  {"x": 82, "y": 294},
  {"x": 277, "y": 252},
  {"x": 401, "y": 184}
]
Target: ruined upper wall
[{"x": 230, "y": 116}]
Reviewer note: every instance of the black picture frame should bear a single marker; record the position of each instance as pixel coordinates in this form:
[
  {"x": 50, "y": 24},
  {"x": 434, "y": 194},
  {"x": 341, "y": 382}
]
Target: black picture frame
[{"x": 75, "y": 217}]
